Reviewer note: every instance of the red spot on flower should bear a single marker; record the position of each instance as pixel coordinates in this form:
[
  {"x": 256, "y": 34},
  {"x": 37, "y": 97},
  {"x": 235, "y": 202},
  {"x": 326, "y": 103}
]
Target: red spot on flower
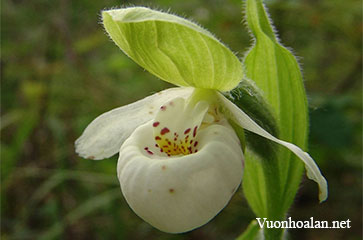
[
  {"x": 195, "y": 131},
  {"x": 148, "y": 151},
  {"x": 155, "y": 124},
  {"x": 196, "y": 143},
  {"x": 157, "y": 138},
  {"x": 187, "y": 131},
  {"x": 164, "y": 131},
  {"x": 163, "y": 108}
]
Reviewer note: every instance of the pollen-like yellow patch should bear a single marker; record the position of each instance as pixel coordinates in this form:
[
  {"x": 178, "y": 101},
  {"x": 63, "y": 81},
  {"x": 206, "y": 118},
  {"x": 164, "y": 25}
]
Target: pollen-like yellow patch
[
  {"x": 185, "y": 144},
  {"x": 176, "y": 126}
]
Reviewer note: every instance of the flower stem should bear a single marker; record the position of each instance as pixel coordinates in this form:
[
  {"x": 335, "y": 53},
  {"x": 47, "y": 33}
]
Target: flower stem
[{"x": 273, "y": 192}]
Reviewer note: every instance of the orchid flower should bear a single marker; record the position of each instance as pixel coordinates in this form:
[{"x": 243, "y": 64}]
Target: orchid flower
[{"x": 180, "y": 160}]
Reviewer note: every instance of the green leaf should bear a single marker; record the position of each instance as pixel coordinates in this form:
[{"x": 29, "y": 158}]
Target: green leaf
[
  {"x": 251, "y": 233},
  {"x": 240, "y": 133},
  {"x": 172, "y": 48},
  {"x": 277, "y": 73},
  {"x": 271, "y": 172},
  {"x": 249, "y": 98}
]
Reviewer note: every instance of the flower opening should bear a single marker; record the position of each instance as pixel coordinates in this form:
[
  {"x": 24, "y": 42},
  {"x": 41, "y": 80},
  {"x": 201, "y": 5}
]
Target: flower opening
[{"x": 176, "y": 127}]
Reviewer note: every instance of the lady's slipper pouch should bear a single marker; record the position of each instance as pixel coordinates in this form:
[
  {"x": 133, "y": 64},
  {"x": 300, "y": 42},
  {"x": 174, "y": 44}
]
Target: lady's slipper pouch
[{"x": 180, "y": 161}]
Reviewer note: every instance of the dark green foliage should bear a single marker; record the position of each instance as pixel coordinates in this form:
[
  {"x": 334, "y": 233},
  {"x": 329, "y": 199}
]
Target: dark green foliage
[{"x": 247, "y": 97}]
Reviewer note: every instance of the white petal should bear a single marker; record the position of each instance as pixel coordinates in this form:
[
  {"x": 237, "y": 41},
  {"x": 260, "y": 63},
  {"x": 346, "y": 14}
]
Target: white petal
[
  {"x": 312, "y": 170},
  {"x": 104, "y": 136},
  {"x": 179, "y": 193},
  {"x": 176, "y": 125}
]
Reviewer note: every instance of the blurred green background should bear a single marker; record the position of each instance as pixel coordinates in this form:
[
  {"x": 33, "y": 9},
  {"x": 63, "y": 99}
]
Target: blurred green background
[{"x": 60, "y": 71}]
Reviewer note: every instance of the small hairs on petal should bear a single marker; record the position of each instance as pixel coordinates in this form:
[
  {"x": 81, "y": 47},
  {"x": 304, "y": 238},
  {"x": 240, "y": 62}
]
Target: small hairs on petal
[
  {"x": 172, "y": 48},
  {"x": 312, "y": 170}
]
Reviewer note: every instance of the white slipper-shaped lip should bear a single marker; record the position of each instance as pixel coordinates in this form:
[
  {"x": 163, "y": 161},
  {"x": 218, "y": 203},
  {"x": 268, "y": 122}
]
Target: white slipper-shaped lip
[{"x": 181, "y": 192}]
